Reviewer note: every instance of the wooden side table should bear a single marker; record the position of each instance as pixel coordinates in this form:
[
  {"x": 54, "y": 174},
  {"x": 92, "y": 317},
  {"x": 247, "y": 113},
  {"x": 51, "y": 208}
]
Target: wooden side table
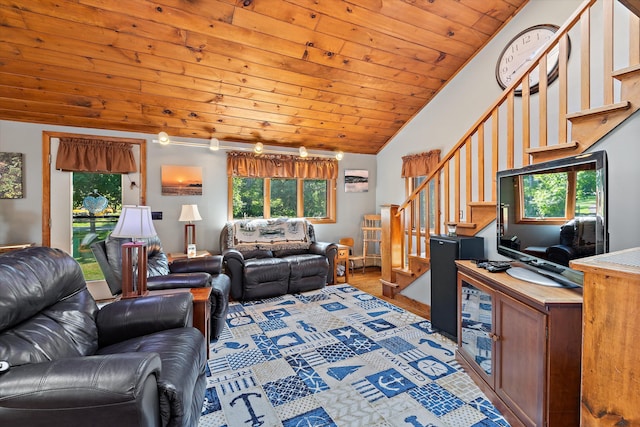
[
  {"x": 343, "y": 256},
  {"x": 179, "y": 255},
  {"x": 202, "y": 312}
]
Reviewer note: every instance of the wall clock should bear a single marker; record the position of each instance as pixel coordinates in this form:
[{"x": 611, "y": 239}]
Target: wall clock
[{"x": 518, "y": 53}]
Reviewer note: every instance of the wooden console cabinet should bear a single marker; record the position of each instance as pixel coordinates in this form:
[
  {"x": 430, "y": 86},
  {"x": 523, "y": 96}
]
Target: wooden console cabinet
[
  {"x": 611, "y": 345},
  {"x": 521, "y": 343}
]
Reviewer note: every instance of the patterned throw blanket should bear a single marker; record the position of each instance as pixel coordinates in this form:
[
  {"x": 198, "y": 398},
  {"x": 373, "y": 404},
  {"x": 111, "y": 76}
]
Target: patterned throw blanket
[{"x": 270, "y": 234}]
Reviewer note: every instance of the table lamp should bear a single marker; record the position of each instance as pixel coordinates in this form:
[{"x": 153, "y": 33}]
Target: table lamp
[
  {"x": 189, "y": 214},
  {"x": 134, "y": 223}
]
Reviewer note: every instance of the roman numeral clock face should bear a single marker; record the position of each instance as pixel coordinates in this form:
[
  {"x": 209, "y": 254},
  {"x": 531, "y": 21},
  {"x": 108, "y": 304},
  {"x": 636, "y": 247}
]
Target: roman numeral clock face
[{"x": 518, "y": 54}]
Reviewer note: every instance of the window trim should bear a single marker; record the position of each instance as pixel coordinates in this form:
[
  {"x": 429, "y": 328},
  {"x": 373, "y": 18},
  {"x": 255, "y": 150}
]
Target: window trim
[
  {"x": 569, "y": 208},
  {"x": 331, "y": 199}
]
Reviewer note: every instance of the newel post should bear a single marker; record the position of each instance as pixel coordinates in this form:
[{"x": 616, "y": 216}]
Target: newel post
[{"x": 391, "y": 244}]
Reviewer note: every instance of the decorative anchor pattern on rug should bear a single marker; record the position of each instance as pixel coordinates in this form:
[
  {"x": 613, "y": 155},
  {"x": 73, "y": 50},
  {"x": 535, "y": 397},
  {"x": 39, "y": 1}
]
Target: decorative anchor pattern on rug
[{"x": 337, "y": 357}]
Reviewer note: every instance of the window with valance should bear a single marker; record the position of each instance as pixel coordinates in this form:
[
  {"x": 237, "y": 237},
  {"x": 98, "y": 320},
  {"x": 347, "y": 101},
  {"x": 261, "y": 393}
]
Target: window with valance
[
  {"x": 415, "y": 165},
  {"x": 415, "y": 169},
  {"x": 276, "y": 185}
]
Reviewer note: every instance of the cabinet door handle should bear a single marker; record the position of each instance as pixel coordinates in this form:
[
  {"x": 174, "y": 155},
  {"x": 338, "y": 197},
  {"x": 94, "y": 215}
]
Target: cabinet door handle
[{"x": 494, "y": 337}]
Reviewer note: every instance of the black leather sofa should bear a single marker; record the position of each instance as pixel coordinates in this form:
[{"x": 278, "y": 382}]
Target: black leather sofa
[
  {"x": 135, "y": 362},
  {"x": 275, "y": 257},
  {"x": 182, "y": 273}
]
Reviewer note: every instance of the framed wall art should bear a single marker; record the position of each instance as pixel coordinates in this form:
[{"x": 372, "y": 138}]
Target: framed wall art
[
  {"x": 181, "y": 180},
  {"x": 356, "y": 180},
  {"x": 11, "y": 186}
]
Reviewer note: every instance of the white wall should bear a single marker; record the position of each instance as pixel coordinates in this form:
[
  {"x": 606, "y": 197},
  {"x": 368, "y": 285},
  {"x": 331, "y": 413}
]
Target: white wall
[
  {"x": 20, "y": 219},
  {"x": 452, "y": 112}
]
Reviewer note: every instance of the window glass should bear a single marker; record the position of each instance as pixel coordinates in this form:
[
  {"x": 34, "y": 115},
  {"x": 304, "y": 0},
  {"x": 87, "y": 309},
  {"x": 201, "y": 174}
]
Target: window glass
[
  {"x": 315, "y": 198},
  {"x": 284, "y": 198},
  {"x": 248, "y": 197},
  {"x": 586, "y": 202},
  {"x": 545, "y": 195}
]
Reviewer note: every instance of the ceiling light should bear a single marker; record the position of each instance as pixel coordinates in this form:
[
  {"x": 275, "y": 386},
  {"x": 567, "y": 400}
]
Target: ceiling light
[
  {"x": 163, "y": 138},
  {"x": 258, "y": 147},
  {"x": 214, "y": 144},
  {"x": 303, "y": 152},
  {"x": 339, "y": 155}
]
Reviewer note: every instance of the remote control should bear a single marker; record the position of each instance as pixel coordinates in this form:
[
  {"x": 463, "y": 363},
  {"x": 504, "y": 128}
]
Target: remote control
[{"x": 498, "y": 268}]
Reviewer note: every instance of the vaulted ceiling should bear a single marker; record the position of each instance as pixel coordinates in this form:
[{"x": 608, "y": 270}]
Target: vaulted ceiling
[{"x": 324, "y": 74}]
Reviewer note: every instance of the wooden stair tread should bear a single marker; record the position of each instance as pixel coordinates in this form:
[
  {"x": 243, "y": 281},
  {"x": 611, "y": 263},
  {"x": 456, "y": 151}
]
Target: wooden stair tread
[
  {"x": 623, "y": 72},
  {"x": 389, "y": 284},
  {"x": 620, "y": 106},
  {"x": 481, "y": 204},
  {"x": 565, "y": 146},
  {"x": 403, "y": 271},
  {"x": 472, "y": 225}
]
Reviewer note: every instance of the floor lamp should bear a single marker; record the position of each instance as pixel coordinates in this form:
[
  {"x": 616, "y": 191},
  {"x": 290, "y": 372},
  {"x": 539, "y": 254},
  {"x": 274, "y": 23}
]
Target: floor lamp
[
  {"x": 189, "y": 214},
  {"x": 134, "y": 223}
]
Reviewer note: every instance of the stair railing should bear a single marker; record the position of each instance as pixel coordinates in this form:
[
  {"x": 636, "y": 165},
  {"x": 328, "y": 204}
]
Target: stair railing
[{"x": 465, "y": 177}]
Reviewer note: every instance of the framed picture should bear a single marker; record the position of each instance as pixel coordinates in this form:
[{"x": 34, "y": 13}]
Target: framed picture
[
  {"x": 181, "y": 180},
  {"x": 11, "y": 176},
  {"x": 356, "y": 180}
]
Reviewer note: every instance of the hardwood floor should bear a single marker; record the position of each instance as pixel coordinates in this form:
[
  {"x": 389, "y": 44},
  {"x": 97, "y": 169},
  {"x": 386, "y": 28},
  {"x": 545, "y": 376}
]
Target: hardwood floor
[{"x": 369, "y": 281}]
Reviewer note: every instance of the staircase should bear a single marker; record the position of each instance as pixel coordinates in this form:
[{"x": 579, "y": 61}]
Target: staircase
[{"x": 514, "y": 132}]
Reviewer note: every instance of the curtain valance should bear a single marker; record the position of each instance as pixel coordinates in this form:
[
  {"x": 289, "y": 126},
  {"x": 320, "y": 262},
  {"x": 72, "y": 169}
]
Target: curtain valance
[
  {"x": 280, "y": 166},
  {"x": 421, "y": 164},
  {"x": 95, "y": 155}
]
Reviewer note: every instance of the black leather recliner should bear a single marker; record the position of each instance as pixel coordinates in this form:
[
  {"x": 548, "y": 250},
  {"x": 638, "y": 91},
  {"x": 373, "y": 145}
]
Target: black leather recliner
[
  {"x": 135, "y": 362},
  {"x": 182, "y": 273}
]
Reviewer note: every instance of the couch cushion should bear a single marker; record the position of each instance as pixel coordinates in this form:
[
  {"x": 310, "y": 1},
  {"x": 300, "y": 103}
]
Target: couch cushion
[
  {"x": 307, "y": 272},
  {"x": 265, "y": 278},
  {"x": 268, "y": 234}
]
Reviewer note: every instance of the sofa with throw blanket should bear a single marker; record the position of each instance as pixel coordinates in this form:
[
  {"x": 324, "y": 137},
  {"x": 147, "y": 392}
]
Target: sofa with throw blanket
[{"x": 271, "y": 257}]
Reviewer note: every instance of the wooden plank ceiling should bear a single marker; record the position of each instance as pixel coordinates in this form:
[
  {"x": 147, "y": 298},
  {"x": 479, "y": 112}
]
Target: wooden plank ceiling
[{"x": 324, "y": 74}]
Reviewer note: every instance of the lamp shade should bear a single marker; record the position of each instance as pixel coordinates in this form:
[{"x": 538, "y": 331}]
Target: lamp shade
[
  {"x": 189, "y": 213},
  {"x": 135, "y": 223}
]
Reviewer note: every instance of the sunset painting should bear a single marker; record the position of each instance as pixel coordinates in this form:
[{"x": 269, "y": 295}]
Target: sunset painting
[{"x": 181, "y": 180}]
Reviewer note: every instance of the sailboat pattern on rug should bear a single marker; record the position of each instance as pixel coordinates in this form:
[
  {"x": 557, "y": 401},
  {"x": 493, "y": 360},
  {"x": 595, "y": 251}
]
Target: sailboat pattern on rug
[{"x": 337, "y": 357}]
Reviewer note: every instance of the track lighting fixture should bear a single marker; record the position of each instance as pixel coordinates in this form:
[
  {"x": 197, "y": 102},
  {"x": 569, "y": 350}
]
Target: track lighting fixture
[
  {"x": 258, "y": 148},
  {"x": 163, "y": 138}
]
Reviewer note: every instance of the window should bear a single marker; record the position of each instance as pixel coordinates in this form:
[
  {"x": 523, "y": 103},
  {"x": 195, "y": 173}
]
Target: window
[
  {"x": 556, "y": 197},
  {"x": 281, "y": 186},
  {"x": 278, "y": 197},
  {"x": 425, "y": 207}
]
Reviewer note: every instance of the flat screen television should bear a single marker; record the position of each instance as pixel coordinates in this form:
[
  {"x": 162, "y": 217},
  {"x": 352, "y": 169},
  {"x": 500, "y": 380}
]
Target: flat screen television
[{"x": 550, "y": 213}]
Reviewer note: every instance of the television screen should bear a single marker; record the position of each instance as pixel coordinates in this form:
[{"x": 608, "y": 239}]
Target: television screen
[{"x": 550, "y": 213}]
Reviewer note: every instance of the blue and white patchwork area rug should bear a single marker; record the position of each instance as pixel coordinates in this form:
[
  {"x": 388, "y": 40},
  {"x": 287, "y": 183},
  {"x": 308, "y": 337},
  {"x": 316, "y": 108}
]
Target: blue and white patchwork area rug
[{"x": 337, "y": 357}]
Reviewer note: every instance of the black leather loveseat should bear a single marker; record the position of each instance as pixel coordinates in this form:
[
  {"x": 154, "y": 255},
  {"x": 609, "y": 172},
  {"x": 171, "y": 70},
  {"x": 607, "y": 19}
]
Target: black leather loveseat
[
  {"x": 135, "y": 362},
  {"x": 268, "y": 258}
]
